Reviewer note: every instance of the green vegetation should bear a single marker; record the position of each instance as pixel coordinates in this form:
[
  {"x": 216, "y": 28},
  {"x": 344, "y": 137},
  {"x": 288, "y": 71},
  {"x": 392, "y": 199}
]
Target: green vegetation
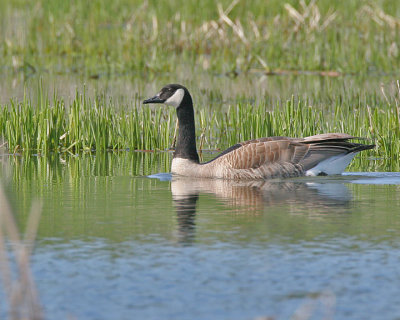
[
  {"x": 103, "y": 38},
  {"x": 84, "y": 125}
]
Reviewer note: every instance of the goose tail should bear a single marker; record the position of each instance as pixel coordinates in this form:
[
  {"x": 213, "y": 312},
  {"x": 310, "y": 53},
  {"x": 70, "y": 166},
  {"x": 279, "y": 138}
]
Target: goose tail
[{"x": 330, "y": 156}]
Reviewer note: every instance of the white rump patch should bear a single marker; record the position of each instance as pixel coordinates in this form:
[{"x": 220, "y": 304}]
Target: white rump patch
[
  {"x": 176, "y": 99},
  {"x": 333, "y": 165}
]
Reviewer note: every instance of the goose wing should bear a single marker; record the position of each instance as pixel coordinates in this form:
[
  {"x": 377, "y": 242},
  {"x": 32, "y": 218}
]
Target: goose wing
[
  {"x": 266, "y": 151},
  {"x": 306, "y": 152}
]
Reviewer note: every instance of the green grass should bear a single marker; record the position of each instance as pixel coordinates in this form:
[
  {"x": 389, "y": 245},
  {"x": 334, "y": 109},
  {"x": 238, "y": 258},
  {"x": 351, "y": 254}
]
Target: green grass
[
  {"x": 86, "y": 125},
  {"x": 109, "y": 38}
]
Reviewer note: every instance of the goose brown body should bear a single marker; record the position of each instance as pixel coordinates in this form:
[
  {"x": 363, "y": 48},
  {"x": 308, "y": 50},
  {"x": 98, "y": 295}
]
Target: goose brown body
[{"x": 264, "y": 158}]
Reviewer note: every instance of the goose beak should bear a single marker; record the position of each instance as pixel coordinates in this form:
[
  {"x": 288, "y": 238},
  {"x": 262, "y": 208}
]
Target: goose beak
[{"x": 155, "y": 99}]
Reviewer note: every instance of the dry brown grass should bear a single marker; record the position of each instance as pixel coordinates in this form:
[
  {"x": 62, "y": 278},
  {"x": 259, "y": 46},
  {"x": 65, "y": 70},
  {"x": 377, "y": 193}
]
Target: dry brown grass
[{"x": 15, "y": 250}]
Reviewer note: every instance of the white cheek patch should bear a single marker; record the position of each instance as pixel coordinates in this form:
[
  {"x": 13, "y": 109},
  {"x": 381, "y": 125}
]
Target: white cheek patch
[{"x": 176, "y": 99}]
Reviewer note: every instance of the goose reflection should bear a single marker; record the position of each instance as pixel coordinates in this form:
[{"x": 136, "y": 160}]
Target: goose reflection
[{"x": 253, "y": 197}]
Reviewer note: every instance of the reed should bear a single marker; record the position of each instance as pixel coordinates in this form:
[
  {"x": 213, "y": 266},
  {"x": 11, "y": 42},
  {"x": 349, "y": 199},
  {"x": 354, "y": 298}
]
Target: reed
[
  {"x": 84, "y": 125},
  {"x": 19, "y": 286}
]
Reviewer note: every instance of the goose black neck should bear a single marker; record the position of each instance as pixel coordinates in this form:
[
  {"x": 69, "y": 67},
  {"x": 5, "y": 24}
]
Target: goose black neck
[{"x": 186, "y": 143}]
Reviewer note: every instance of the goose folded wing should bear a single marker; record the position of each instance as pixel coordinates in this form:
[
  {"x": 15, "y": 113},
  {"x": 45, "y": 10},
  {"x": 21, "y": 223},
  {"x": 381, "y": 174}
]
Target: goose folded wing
[{"x": 263, "y": 152}]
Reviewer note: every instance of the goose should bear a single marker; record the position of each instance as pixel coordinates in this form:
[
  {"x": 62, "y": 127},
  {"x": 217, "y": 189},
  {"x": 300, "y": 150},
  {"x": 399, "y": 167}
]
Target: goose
[{"x": 263, "y": 158}]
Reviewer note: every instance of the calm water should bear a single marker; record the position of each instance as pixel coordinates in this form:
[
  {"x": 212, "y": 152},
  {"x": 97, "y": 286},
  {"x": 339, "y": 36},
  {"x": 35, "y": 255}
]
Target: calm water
[{"x": 115, "y": 244}]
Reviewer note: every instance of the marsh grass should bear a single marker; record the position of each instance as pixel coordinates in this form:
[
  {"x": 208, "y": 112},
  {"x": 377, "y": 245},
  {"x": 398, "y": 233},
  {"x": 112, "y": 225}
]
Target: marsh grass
[
  {"x": 84, "y": 125},
  {"x": 102, "y": 38},
  {"x": 96, "y": 125}
]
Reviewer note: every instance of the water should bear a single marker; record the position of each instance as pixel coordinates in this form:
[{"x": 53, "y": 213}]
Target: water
[{"x": 115, "y": 244}]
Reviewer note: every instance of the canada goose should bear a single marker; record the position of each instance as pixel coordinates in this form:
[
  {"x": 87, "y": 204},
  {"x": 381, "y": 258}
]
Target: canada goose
[{"x": 264, "y": 158}]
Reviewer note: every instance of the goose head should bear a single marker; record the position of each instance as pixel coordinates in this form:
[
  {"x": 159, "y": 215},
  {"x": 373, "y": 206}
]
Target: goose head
[
  {"x": 174, "y": 95},
  {"x": 178, "y": 96}
]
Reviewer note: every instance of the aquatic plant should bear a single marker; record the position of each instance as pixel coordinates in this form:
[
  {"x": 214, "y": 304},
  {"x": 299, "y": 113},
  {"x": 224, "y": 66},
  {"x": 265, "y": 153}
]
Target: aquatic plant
[{"x": 84, "y": 125}]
